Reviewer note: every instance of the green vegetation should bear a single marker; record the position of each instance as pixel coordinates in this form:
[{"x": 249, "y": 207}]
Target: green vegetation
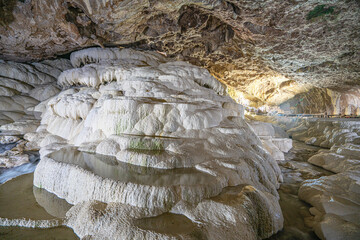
[
  {"x": 319, "y": 11},
  {"x": 122, "y": 125},
  {"x": 154, "y": 145}
]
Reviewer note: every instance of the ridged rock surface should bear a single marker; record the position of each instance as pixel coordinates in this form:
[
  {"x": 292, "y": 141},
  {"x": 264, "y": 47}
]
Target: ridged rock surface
[
  {"x": 324, "y": 101},
  {"x": 278, "y": 44},
  {"x": 335, "y": 198},
  {"x": 275, "y": 139},
  {"x": 135, "y": 139},
  {"x": 22, "y": 87}
]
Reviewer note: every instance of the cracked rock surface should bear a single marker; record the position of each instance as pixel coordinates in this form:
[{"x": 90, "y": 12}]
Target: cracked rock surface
[{"x": 284, "y": 45}]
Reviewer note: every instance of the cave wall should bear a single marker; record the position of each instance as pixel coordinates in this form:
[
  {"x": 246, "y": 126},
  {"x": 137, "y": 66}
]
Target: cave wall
[
  {"x": 257, "y": 47},
  {"x": 323, "y": 101}
]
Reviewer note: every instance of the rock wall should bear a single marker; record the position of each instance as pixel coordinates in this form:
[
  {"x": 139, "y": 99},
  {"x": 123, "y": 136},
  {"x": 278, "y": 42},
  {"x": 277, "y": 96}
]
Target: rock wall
[
  {"x": 275, "y": 139},
  {"x": 324, "y": 101},
  {"x": 326, "y": 132},
  {"x": 22, "y": 88},
  {"x": 277, "y": 43}
]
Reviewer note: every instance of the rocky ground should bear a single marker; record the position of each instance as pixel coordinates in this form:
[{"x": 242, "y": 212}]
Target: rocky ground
[
  {"x": 335, "y": 197},
  {"x": 296, "y": 170}
]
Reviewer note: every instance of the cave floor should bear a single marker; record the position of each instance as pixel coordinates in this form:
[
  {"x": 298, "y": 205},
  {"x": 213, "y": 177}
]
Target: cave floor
[
  {"x": 20, "y": 199},
  {"x": 295, "y": 170}
]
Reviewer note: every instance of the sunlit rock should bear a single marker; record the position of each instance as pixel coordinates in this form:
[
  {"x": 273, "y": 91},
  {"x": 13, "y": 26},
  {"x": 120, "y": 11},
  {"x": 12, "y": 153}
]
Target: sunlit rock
[
  {"x": 324, "y": 101},
  {"x": 274, "y": 139}
]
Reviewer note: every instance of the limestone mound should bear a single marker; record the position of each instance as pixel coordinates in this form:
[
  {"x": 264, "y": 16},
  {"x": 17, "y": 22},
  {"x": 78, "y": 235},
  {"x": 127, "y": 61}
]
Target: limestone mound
[{"x": 170, "y": 139}]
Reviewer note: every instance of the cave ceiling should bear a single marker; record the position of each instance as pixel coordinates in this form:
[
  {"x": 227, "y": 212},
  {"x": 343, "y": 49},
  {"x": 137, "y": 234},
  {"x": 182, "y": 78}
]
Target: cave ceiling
[{"x": 262, "y": 48}]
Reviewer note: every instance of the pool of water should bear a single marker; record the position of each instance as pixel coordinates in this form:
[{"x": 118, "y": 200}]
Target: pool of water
[
  {"x": 109, "y": 167},
  {"x": 20, "y": 199},
  {"x": 168, "y": 223}
]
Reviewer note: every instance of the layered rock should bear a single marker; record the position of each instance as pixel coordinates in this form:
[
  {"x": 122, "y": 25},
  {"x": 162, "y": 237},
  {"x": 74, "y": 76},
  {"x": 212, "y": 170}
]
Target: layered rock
[
  {"x": 134, "y": 136},
  {"x": 22, "y": 88},
  {"x": 326, "y": 132},
  {"x": 325, "y": 101},
  {"x": 274, "y": 139},
  {"x": 276, "y": 44},
  {"x": 335, "y": 198}
]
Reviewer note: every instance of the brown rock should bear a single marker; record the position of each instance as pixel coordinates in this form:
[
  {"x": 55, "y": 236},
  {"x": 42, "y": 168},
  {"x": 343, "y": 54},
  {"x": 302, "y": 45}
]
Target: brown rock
[{"x": 238, "y": 41}]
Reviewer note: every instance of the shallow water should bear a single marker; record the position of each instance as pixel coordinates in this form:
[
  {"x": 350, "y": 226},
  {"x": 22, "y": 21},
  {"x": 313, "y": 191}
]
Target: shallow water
[
  {"x": 167, "y": 223},
  {"x": 9, "y": 173},
  {"x": 58, "y": 233},
  {"x": 5, "y": 147},
  {"x": 109, "y": 167},
  {"x": 20, "y": 199},
  {"x": 295, "y": 170}
]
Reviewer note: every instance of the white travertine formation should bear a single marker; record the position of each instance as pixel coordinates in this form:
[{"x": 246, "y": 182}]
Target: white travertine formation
[
  {"x": 274, "y": 139},
  {"x": 117, "y": 65},
  {"x": 335, "y": 198},
  {"x": 336, "y": 204},
  {"x": 43, "y": 92},
  {"x": 21, "y": 127},
  {"x": 161, "y": 136},
  {"x": 144, "y": 101},
  {"x": 23, "y": 85},
  {"x": 327, "y": 132},
  {"x": 96, "y": 55},
  {"x": 29, "y": 223},
  {"x": 226, "y": 216}
]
